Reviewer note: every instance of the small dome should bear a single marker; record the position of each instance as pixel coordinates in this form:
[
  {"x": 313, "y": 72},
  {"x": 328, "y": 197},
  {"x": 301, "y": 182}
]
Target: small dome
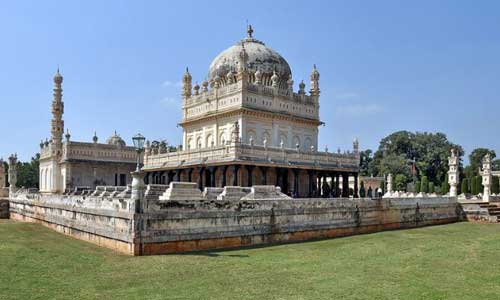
[
  {"x": 260, "y": 58},
  {"x": 116, "y": 140},
  {"x": 58, "y": 77}
]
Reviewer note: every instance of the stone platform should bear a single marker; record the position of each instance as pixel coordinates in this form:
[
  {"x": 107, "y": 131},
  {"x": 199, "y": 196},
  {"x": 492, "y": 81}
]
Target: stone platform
[{"x": 235, "y": 217}]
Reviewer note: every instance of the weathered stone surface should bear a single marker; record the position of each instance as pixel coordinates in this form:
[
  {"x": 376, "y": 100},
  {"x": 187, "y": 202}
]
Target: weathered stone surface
[
  {"x": 233, "y": 193},
  {"x": 265, "y": 192},
  {"x": 195, "y": 224},
  {"x": 182, "y": 191},
  {"x": 4, "y": 208}
]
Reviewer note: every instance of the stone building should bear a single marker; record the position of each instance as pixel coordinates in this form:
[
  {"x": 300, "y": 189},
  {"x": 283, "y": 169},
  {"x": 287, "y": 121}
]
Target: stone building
[
  {"x": 245, "y": 125},
  {"x": 66, "y": 164}
]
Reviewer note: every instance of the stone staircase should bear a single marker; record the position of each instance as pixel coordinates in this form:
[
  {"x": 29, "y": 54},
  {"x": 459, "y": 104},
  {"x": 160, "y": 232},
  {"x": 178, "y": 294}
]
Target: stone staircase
[{"x": 493, "y": 210}]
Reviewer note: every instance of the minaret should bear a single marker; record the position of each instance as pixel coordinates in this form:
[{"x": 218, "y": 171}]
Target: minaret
[
  {"x": 186, "y": 85},
  {"x": 315, "y": 82},
  {"x": 57, "y": 123}
]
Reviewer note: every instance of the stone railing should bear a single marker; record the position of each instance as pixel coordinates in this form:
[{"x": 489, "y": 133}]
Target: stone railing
[{"x": 246, "y": 152}]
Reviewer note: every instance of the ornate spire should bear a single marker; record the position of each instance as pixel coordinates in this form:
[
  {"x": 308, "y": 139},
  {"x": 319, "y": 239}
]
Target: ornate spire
[
  {"x": 315, "y": 82},
  {"x": 57, "y": 123},
  {"x": 186, "y": 84},
  {"x": 249, "y": 31}
]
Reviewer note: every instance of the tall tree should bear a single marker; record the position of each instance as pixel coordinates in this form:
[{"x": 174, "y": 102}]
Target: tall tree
[
  {"x": 365, "y": 157},
  {"x": 404, "y": 152},
  {"x": 495, "y": 185},
  {"x": 476, "y": 158}
]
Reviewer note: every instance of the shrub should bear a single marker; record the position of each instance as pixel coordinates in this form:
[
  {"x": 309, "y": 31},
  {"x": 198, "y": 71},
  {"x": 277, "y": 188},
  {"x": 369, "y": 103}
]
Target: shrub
[
  {"x": 464, "y": 188},
  {"x": 362, "y": 191},
  {"x": 445, "y": 188},
  {"x": 431, "y": 187},
  {"x": 424, "y": 186},
  {"x": 495, "y": 185},
  {"x": 417, "y": 187}
]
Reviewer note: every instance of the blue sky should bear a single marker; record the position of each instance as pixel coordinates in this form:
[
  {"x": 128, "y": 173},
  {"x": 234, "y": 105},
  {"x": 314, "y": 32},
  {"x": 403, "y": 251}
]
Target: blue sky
[{"x": 385, "y": 65}]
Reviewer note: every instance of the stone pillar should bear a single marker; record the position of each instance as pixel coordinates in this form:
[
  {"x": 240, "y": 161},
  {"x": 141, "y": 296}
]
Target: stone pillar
[
  {"x": 235, "y": 174},
  {"x": 190, "y": 174},
  {"x": 453, "y": 174},
  {"x": 200, "y": 177},
  {"x": 345, "y": 185},
  {"x": 212, "y": 176},
  {"x": 224, "y": 175},
  {"x": 356, "y": 194},
  {"x": 487, "y": 175},
  {"x": 295, "y": 183},
  {"x": 249, "y": 175},
  {"x": 285, "y": 181},
  {"x": 263, "y": 171},
  {"x": 178, "y": 174},
  {"x": 389, "y": 184},
  {"x": 337, "y": 185},
  {"x": 310, "y": 174},
  {"x": 138, "y": 204},
  {"x": 12, "y": 173},
  {"x": 170, "y": 175}
]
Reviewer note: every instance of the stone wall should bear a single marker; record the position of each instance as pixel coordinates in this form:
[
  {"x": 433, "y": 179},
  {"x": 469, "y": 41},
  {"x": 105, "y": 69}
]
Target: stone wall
[
  {"x": 4, "y": 208},
  {"x": 228, "y": 218}
]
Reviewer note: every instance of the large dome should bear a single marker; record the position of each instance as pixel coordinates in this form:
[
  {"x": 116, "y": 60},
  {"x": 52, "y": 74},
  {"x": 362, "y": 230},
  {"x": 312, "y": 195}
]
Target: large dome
[{"x": 260, "y": 57}]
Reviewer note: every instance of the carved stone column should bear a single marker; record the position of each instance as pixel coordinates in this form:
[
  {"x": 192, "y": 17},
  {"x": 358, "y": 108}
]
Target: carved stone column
[
  {"x": 200, "y": 177},
  {"x": 453, "y": 173},
  {"x": 235, "y": 169},
  {"x": 487, "y": 175},
  {"x": 190, "y": 174},
  {"x": 355, "y": 194},
  {"x": 249, "y": 174},
  {"x": 345, "y": 185},
  {"x": 263, "y": 171},
  {"x": 224, "y": 175},
  {"x": 296, "y": 173},
  {"x": 310, "y": 191}
]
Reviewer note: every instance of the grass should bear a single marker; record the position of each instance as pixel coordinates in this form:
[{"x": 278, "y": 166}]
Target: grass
[{"x": 457, "y": 261}]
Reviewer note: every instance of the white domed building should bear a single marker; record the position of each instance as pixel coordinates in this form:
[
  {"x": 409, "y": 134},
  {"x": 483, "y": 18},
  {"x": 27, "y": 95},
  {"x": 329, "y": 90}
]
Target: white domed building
[{"x": 245, "y": 125}]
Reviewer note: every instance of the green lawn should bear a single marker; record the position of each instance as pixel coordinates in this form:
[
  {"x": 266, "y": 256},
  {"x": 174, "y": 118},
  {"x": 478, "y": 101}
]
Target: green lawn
[{"x": 458, "y": 261}]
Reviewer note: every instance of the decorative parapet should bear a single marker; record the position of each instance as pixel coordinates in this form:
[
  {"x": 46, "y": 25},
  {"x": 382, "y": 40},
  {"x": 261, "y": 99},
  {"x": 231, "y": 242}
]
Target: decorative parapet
[
  {"x": 100, "y": 152},
  {"x": 237, "y": 152}
]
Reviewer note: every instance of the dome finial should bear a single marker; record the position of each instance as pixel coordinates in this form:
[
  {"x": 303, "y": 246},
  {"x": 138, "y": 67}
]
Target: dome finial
[{"x": 249, "y": 31}]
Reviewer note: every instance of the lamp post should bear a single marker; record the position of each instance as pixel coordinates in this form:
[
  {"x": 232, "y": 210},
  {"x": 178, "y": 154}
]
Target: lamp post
[
  {"x": 138, "y": 140},
  {"x": 137, "y": 181}
]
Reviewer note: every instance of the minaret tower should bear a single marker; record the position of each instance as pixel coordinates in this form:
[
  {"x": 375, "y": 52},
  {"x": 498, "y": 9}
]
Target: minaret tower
[
  {"x": 57, "y": 123},
  {"x": 315, "y": 82}
]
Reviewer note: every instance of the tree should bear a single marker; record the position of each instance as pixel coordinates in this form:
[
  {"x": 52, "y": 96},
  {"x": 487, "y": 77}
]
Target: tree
[
  {"x": 417, "y": 187},
  {"x": 464, "y": 188},
  {"x": 495, "y": 165},
  {"x": 424, "y": 186},
  {"x": 428, "y": 152},
  {"x": 365, "y": 159},
  {"x": 476, "y": 158},
  {"x": 27, "y": 172},
  {"x": 362, "y": 191},
  {"x": 495, "y": 185},
  {"x": 476, "y": 185},
  {"x": 431, "y": 187},
  {"x": 400, "y": 182},
  {"x": 445, "y": 188}
]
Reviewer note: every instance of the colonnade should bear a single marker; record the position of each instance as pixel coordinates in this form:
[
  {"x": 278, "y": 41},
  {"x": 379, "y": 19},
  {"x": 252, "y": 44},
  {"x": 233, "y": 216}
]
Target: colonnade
[{"x": 298, "y": 183}]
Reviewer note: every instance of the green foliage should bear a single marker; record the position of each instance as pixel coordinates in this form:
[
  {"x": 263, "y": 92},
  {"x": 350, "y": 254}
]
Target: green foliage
[
  {"x": 417, "y": 187},
  {"x": 382, "y": 187},
  {"x": 464, "y": 188},
  {"x": 28, "y": 173},
  {"x": 365, "y": 159},
  {"x": 431, "y": 187},
  {"x": 424, "y": 185},
  {"x": 477, "y": 185},
  {"x": 362, "y": 191},
  {"x": 400, "y": 182},
  {"x": 429, "y": 151},
  {"x": 445, "y": 188},
  {"x": 495, "y": 185},
  {"x": 495, "y": 165},
  {"x": 476, "y": 158}
]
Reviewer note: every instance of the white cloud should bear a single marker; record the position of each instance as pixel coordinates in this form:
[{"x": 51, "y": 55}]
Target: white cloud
[
  {"x": 359, "y": 109},
  {"x": 168, "y": 83}
]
